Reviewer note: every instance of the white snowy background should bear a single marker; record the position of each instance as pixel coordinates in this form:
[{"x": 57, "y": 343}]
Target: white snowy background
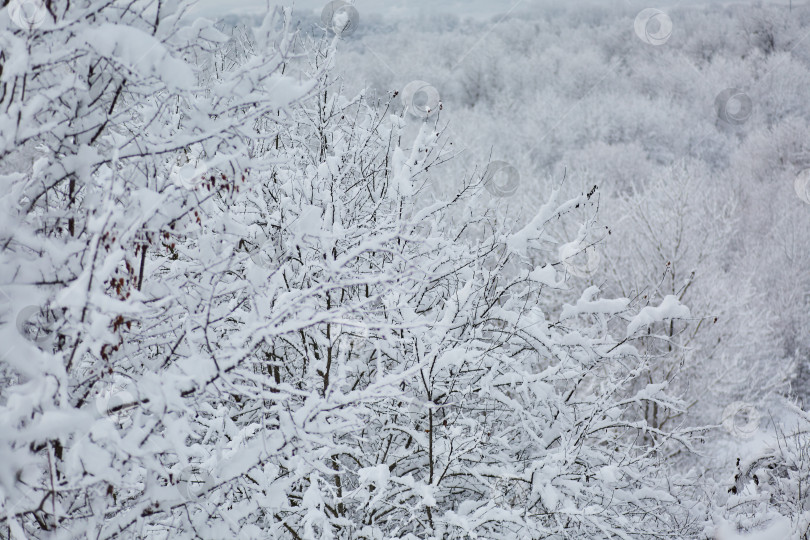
[{"x": 406, "y": 269}]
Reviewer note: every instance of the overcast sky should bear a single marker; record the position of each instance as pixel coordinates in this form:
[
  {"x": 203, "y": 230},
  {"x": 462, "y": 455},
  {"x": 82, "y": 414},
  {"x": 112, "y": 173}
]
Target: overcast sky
[
  {"x": 397, "y": 8},
  {"x": 382, "y": 7}
]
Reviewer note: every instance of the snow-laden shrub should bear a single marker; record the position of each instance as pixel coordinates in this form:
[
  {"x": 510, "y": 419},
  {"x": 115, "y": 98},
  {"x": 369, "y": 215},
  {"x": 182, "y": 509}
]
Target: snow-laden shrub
[{"x": 232, "y": 310}]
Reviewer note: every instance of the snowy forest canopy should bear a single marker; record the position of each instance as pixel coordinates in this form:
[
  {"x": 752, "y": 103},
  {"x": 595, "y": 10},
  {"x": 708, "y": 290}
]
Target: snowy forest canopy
[{"x": 343, "y": 276}]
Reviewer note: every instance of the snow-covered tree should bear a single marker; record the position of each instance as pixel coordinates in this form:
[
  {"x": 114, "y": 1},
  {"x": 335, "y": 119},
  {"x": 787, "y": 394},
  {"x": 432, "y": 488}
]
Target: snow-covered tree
[
  {"x": 236, "y": 308},
  {"x": 768, "y": 496},
  {"x": 670, "y": 236},
  {"x": 433, "y": 394},
  {"x": 114, "y": 276}
]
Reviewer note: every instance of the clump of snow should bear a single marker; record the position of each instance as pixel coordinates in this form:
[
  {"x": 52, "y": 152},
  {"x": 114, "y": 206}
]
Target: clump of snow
[{"x": 670, "y": 308}]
